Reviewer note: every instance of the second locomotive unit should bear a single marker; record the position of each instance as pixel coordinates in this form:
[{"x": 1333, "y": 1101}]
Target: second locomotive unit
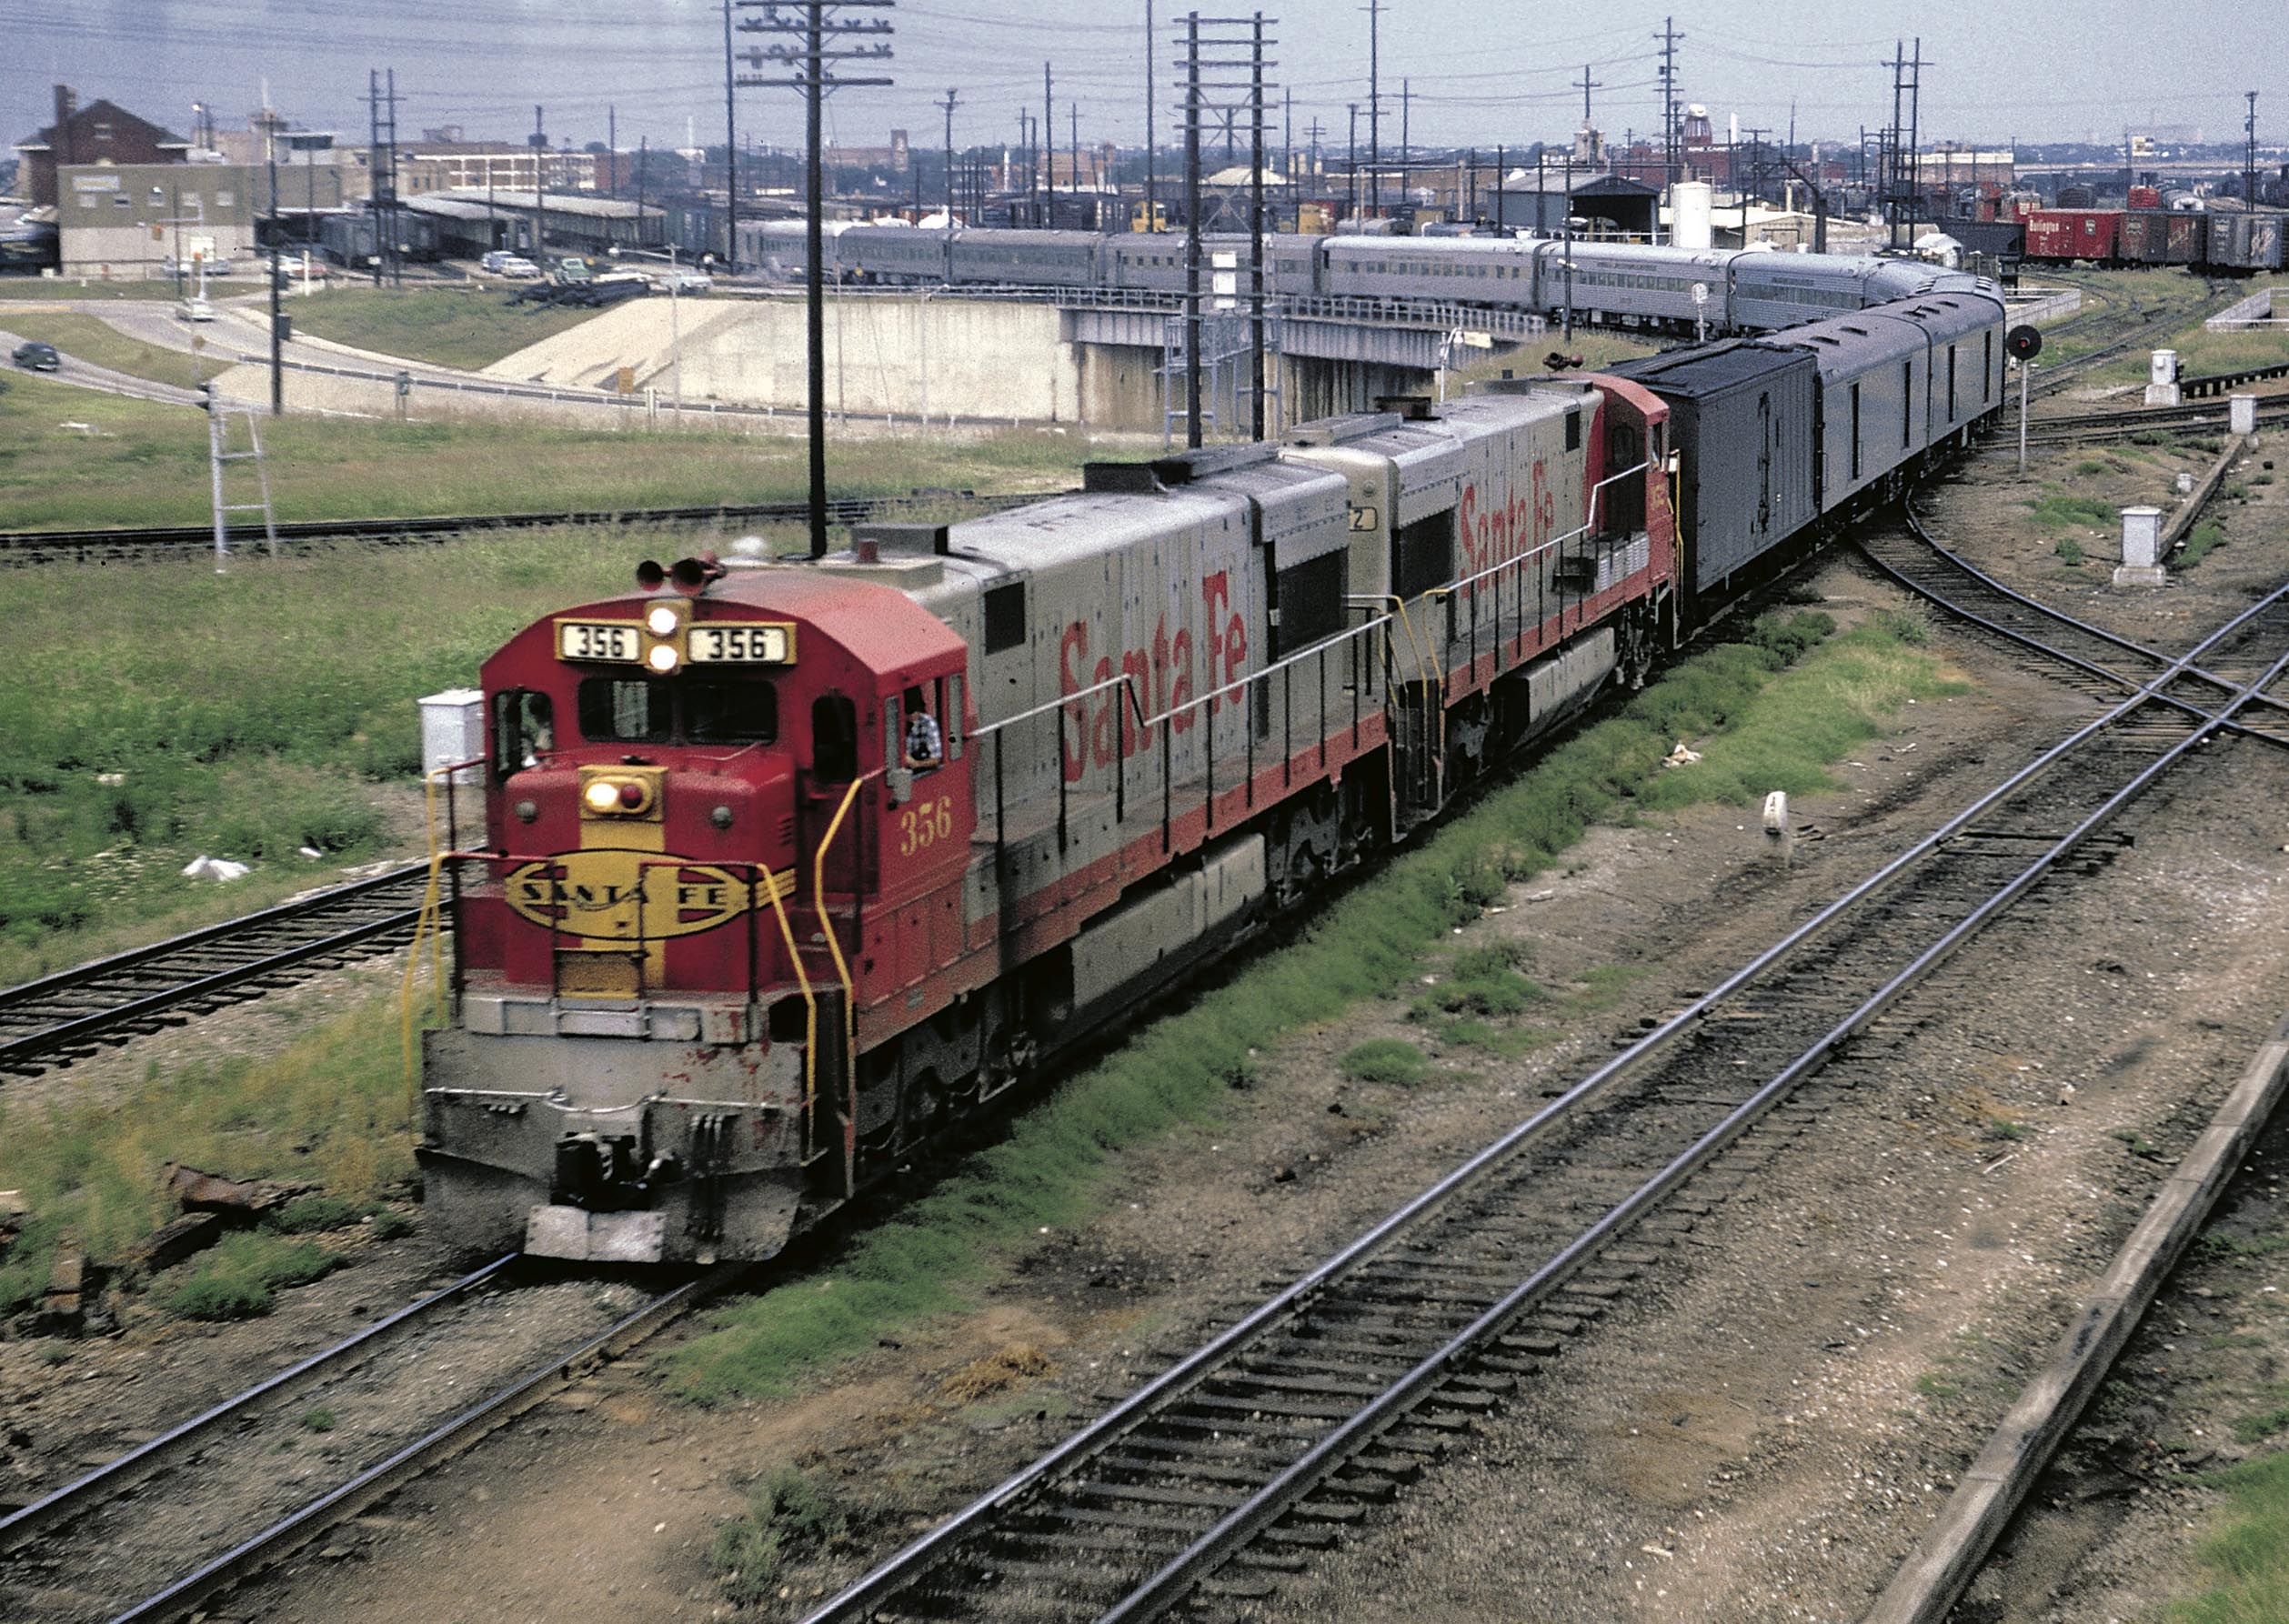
[{"x": 787, "y": 865}]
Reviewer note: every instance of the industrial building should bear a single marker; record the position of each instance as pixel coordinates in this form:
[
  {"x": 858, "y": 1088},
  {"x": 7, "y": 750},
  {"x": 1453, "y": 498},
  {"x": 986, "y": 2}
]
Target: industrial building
[{"x": 132, "y": 220}]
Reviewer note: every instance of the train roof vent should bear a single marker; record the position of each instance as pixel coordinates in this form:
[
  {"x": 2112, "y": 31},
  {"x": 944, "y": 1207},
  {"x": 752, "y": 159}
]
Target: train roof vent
[
  {"x": 1334, "y": 431},
  {"x": 1130, "y": 479},
  {"x": 1412, "y": 408},
  {"x": 873, "y": 543},
  {"x": 1186, "y": 466}
]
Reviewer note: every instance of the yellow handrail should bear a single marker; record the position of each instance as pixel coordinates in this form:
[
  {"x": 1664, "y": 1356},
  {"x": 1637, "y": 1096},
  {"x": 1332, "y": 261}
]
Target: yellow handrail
[
  {"x": 427, "y": 923},
  {"x": 834, "y": 942},
  {"x": 810, "y": 1000}
]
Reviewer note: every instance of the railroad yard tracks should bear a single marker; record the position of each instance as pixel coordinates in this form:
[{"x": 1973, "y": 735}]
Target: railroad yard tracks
[
  {"x": 1231, "y": 1470},
  {"x": 67, "y": 1016},
  {"x": 166, "y": 541},
  {"x": 166, "y": 1526},
  {"x": 2197, "y": 417}
]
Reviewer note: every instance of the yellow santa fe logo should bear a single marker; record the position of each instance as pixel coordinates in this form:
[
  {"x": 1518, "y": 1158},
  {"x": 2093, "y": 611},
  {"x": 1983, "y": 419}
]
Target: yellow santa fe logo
[{"x": 631, "y": 895}]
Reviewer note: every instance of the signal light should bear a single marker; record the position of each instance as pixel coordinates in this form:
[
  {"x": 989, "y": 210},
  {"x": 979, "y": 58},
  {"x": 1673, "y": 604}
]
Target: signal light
[{"x": 631, "y": 795}]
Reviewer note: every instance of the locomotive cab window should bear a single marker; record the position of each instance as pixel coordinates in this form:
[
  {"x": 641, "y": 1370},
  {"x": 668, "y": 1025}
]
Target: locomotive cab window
[
  {"x": 626, "y": 710},
  {"x": 834, "y": 739},
  {"x": 1005, "y": 617},
  {"x": 524, "y": 730},
  {"x": 730, "y": 711}
]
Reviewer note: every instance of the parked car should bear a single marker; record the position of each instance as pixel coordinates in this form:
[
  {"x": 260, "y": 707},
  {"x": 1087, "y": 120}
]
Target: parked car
[
  {"x": 496, "y": 261},
  {"x": 682, "y": 282},
  {"x": 35, "y": 357},
  {"x": 195, "y": 310},
  {"x": 517, "y": 265}
]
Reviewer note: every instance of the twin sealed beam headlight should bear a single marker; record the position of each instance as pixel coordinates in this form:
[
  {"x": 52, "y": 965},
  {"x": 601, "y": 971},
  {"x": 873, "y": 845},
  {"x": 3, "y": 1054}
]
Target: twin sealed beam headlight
[
  {"x": 664, "y": 628},
  {"x": 619, "y": 792}
]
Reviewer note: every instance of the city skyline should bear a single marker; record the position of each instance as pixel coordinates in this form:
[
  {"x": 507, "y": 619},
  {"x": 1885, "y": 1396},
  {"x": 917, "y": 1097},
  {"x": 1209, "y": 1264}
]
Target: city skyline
[{"x": 659, "y": 70}]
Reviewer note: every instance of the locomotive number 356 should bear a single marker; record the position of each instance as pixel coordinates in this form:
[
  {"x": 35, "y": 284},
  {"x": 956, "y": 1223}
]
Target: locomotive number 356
[{"x": 921, "y": 827}]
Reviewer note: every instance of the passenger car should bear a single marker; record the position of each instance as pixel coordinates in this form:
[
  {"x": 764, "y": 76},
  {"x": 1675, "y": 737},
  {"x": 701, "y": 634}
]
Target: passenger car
[{"x": 35, "y": 357}]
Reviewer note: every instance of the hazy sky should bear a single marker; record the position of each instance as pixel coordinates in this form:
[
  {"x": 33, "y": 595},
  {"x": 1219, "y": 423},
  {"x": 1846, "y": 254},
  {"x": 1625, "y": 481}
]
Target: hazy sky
[{"x": 1482, "y": 71}]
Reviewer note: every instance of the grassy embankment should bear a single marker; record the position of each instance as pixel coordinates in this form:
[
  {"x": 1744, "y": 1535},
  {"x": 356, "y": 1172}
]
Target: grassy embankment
[
  {"x": 1596, "y": 347},
  {"x": 467, "y": 327},
  {"x": 334, "y": 1107},
  {"x": 2200, "y": 351},
  {"x": 129, "y": 462},
  {"x": 2114, "y": 302},
  {"x": 92, "y": 339},
  {"x": 1769, "y": 727}
]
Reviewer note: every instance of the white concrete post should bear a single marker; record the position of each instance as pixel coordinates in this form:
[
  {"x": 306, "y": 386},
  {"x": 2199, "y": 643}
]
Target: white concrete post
[
  {"x": 2141, "y": 548},
  {"x": 2243, "y": 409},
  {"x": 2161, "y": 379}
]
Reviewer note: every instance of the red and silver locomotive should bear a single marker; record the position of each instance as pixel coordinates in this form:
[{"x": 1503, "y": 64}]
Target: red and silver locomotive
[{"x": 789, "y": 865}]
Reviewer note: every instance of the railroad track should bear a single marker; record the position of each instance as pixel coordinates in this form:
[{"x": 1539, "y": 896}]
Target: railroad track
[
  {"x": 2082, "y": 428},
  {"x": 68, "y": 1016},
  {"x": 107, "y": 545},
  {"x": 1220, "y": 1477},
  {"x": 2150, "y": 326},
  {"x": 2100, "y": 663},
  {"x": 164, "y": 1529}
]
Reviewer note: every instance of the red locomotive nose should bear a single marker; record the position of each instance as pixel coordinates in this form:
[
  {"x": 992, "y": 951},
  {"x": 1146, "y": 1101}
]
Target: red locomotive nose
[{"x": 631, "y": 795}]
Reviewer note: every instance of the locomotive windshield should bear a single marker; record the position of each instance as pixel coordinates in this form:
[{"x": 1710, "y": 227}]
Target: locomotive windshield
[{"x": 689, "y": 709}]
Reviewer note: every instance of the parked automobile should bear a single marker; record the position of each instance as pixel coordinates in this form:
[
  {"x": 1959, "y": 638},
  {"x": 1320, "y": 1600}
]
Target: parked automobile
[
  {"x": 195, "y": 310},
  {"x": 35, "y": 357},
  {"x": 681, "y": 282},
  {"x": 517, "y": 265},
  {"x": 496, "y": 260}
]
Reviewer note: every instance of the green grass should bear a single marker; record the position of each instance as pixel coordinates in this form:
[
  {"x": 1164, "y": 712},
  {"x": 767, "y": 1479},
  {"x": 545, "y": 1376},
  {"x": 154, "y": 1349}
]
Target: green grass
[
  {"x": 241, "y": 1277},
  {"x": 1758, "y": 730},
  {"x": 332, "y": 1108},
  {"x": 2059, "y": 510},
  {"x": 2205, "y": 535},
  {"x": 2249, "y": 1557},
  {"x": 140, "y": 462},
  {"x": 1596, "y": 346},
  {"x": 92, "y": 339},
  {"x": 444, "y": 326},
  {"x": 1390, "y": 1061},
  {"x": 789, "y": 1516}
]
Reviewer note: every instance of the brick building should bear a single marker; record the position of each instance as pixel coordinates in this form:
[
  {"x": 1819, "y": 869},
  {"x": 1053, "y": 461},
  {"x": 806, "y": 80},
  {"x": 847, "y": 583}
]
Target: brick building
[{"x": 101, "y": 133}]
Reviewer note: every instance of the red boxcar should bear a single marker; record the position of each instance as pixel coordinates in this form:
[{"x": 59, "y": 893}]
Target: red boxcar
[
  {"x": 2064, "y": 234},
  {"x": 2145, "y": 237}
]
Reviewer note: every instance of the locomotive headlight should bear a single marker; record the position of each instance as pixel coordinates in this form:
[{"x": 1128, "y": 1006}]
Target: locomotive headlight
[
  {"x": 602, "y": 796},
  {"x": 661, "y": 620},
  {"x": 662, "y": 657}
]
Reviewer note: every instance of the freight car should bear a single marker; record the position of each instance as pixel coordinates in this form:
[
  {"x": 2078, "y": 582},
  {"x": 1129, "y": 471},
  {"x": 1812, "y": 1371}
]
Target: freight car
[
  {"x": 1608, "y": 284},
  {"x": 2222, "y": 242},
  {"x": 349, "y": 240},
  {"x": 786, "y": 867}
]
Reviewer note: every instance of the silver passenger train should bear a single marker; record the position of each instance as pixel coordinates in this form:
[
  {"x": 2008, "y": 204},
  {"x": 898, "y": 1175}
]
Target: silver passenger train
[{"x": 1623, "y": 284}]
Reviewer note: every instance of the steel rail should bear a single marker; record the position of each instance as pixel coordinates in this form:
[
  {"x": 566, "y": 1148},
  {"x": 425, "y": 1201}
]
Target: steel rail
[
  {"x": 288, "y": 1534},
  {"x": 117, "y": 1476},
  {"x": 922, "y": 1554},
  {"x": 843, "y": 509},
  {"x": 1917, "y": 527},
  {"x": 26, "y": 1046}
]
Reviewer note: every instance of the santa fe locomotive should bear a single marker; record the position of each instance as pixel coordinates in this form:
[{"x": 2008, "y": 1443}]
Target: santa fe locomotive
[{"x": 787, "y": 865}]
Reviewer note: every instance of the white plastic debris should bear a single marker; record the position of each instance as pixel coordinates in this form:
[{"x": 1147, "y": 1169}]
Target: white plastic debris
[
  {"x": 218, "y": 869},
  {"x": 311, "y": 852},
  {"x": 1680, "y": 756},
  {"x": 111, "y": 779}
]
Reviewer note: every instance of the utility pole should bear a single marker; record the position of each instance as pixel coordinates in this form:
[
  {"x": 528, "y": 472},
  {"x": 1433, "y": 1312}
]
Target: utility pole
[
  {"x": 1152, "y": 192},
  {"x": 1898, "y": 64},
  {"x": 381, "y": 125},
  {"x": 1586, "y": 85},
  {"x": 1406, "y": 138},
  {"x": 1192, "y": 231},
  {"x": 952, "y": 100},
  {"x": 813, "y": 36},
  {"x": 277, "y": 356},
  {"x": 538, "y": 142},
  {"x": 1049, "y": 155},
  {"x": 1915, "y": 162},
  {"x": 730, "y": 160},
  {"x": 1351, "y": 167},
  {"x": 1374, "y": 107},
  {"x": 1256, "y": 235},
  {"x": 612, "y": 148},
  {"x": 2249, "y": 158},
  {"x": 1667, "y": 75},
  {"x": 1073, "y": 126},
  {"x": 1501, "y": 154}
]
